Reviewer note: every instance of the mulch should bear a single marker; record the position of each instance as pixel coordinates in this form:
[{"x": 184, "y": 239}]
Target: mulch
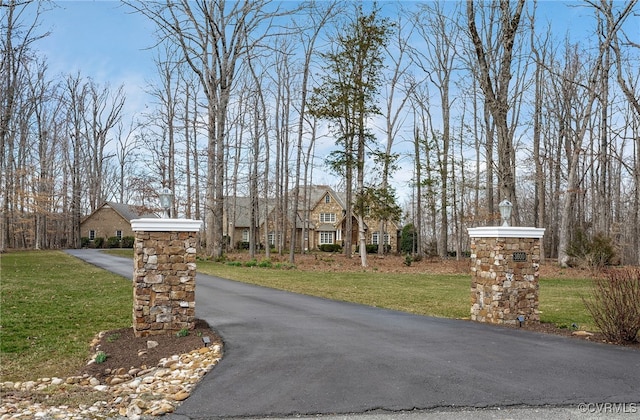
[{"x": 125, "y": 350}]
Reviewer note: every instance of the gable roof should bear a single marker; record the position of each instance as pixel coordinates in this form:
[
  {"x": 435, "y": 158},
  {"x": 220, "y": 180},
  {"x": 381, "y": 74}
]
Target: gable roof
[
  {"x": 242, "y": 214},
  {"x": 315, "y": 193},
  {"x": 126, "y": 211}
]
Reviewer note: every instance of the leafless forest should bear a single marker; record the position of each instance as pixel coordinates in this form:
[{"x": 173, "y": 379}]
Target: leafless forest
[{"x": 465, "y": 104}]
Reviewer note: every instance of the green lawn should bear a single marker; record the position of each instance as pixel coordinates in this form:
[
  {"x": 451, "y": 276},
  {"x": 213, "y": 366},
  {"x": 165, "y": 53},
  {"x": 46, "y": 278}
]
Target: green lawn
[
  {"x": 426, "y": 294},
  {"x": 52, "y": 304}
]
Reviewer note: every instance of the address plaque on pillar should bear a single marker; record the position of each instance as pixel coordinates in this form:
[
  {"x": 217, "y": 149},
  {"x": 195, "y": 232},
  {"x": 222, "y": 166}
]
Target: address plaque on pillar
[{"x": 519, "y": 256}]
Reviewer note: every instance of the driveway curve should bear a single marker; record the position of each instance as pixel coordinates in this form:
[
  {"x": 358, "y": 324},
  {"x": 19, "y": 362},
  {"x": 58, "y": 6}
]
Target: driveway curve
[{"x": 288, "y": 354}]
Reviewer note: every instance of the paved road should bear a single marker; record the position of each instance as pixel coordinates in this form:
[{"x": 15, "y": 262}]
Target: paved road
[{"x": 288, "y": 354}]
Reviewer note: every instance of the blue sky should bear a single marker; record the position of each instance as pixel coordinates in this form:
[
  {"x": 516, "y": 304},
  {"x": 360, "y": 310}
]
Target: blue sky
[{"x": 104, "y": 40}]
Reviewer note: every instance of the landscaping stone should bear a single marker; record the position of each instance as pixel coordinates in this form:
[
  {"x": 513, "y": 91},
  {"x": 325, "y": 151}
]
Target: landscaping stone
[{"x": 163, "y": 387}]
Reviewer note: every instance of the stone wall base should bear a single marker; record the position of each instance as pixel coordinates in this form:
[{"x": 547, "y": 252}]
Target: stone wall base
[
  {"x": 164, "y": 282},
  {"x": 504, "y": 282}
]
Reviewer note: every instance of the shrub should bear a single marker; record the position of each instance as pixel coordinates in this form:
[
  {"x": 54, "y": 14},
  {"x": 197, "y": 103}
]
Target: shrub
[
  {"x": 595, "y": 253},
  {"x": 84, "y": 242},
  {"x": 372, "y": 249},
  {"x": 128, "y": 241},
  {"x": 242, "y": 245},
  {"x": 251, "y": 263},
  {"x": 408, "y": 259},
  {"x": 615, "y": 304},
  {"x": 113, "y": 242},
  {"x": 98, "y": 242},
  {"x": 330, "y": 248},
  {"x": 265, "y": 263}
]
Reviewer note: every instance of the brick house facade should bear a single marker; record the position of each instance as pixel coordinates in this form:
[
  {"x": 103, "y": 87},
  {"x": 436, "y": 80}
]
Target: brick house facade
[{"x": 111, "y": 219}]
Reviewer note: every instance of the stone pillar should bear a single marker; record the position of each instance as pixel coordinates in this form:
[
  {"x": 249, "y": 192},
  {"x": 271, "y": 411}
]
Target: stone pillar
[
  {"x": 164, "y": 276},
  {"x": 504, "y": 269}
]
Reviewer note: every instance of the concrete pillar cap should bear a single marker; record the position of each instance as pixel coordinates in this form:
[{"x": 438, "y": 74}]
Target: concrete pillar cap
[
  {"x": 506, "y": 232},
  {"x": 166, "y": 225}
]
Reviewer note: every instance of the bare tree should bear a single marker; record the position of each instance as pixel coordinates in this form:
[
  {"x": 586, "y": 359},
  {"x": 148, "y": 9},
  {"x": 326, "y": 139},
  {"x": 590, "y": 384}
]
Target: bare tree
[
  {"x": 18, "y": 37},
  {"x": 103, "y": 113},
  {"x": 214, "y": 37},
  {"x": 441, "y": 36},
  {"x": 497, "y": 89},
  {"x": 168, "y": 94},
  {"x": 400, "y": 87},
  {"x": 319, "y": 17},
  {"x": 628, "y": 82},
  {"x": 126, "y": 150},
  {"x": 76, "y": 103}
]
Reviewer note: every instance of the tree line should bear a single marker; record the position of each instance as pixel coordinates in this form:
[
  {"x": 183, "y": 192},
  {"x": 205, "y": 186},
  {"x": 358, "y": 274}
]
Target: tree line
[{"x": 468, "y": 103}]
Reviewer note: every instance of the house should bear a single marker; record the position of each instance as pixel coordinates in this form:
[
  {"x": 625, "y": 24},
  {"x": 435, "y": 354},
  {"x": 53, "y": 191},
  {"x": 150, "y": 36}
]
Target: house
[
  {"x": 236, "y": 219},
  {"x": 112, "y": 220},
  {"x": 321, "y": 220}
]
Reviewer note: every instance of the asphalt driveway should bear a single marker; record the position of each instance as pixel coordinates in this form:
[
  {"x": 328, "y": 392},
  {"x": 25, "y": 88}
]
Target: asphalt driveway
[{"x": 288, "y": 354}]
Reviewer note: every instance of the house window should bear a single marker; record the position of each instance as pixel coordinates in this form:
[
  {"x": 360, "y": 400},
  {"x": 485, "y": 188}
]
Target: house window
[
  {"x": 326, "y": 238},
  {"x": 272, "y": 238},
  {"x": 245, "y": 235},
  {"x": 375, "y": 238},
  {"x": 327, "y": 217},
  {"x": 119, "y": 234},
  {"x": 92, "y": 235},
  {"x": 327, "y": 198}
]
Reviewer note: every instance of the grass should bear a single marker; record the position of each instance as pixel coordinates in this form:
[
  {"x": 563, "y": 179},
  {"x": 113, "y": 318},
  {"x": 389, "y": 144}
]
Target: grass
[
  {"x": 445, "y": 296},
  {"x": 120, "y": 252},
  {"x": 51, "y": 306},
  {"x": 561, "y": 302}
]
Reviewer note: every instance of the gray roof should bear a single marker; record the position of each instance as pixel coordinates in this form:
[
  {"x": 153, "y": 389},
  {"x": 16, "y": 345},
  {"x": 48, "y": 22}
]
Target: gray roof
[
  {"x": 128, "y": 212},
  {"x": 243, "y": 210}
]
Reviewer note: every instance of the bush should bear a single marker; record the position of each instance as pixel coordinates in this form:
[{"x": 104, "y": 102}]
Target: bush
[
  {"x": 84, "y": 242},
  {"x": 408, "y": 239},
  {"x": 595, "y": 253},
  {"x": 98, "y": 242},
  {"x": 615, "y": 304},
  {"x": 330, "y": 248},
  {"x": 408, "y": 259},
  {"x": 251, "y": 263},
  {"x": 265, "y": 263},
  {"x": 128, "y": 241},
  {"x": 242, "y": 245},
  {"x": 113, "y": 242}
]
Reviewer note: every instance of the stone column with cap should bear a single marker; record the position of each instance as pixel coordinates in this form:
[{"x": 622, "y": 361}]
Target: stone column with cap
[
  {"x": 505, "y": 265},
  {"x": 164, "y": 276}
]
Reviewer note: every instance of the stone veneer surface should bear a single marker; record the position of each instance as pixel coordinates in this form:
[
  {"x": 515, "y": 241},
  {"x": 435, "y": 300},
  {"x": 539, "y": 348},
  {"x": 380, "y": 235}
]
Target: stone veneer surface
[
  {"x": 501, "y": 288},
  {"x": 164, "y": 282}
]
